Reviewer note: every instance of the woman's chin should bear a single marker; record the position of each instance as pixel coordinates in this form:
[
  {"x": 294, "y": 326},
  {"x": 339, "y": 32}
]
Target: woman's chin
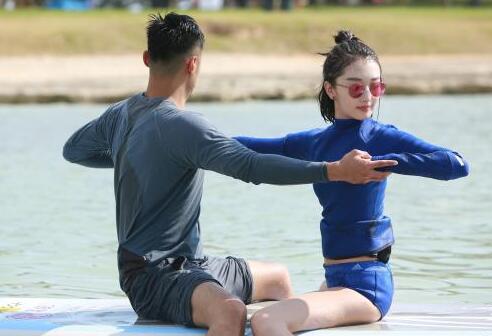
[{"x": 362, "y": 116}]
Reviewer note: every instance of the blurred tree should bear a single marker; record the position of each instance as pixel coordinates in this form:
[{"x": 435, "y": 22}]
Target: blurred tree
[
  {"x": 26, "y": 3},
  {"x": 159, "y": 3}
]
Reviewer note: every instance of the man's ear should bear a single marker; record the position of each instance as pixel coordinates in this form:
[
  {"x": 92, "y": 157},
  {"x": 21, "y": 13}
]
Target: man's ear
[
  {"x": 191, "y": 64},
  {"x": 146, "y": 58},
  {"x": 329, "y": 90}
]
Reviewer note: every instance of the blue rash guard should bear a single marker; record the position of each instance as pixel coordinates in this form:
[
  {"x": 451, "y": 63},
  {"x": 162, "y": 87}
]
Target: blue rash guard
[{"x": 353, "y": 222}]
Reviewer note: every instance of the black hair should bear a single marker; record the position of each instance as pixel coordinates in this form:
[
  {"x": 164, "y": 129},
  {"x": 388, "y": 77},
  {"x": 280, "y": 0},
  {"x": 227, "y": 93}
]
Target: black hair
[
  {"x": 172, "y": 36},
  {"x": 348, "y": 49}
]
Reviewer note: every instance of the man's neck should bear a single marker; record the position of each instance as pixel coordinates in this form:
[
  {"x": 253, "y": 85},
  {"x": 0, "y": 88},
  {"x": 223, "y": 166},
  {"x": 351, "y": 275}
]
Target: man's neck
[{"x": 170, "y": 88}]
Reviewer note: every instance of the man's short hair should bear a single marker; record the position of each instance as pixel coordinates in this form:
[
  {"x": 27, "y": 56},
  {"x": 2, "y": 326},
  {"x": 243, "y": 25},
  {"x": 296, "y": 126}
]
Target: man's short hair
[{"x": 172, "y": 37}]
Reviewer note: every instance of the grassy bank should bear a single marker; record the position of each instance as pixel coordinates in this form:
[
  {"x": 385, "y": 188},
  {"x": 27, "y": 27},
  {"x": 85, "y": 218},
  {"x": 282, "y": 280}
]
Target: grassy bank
[{"x": 390, "y": 30}]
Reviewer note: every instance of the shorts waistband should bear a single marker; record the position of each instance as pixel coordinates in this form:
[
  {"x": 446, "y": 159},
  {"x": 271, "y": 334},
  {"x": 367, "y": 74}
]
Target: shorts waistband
[{"x": 354, "y": 266}]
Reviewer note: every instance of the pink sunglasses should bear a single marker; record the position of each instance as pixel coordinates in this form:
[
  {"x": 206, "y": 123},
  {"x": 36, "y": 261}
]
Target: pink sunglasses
[{"x": 356, "y": 90}]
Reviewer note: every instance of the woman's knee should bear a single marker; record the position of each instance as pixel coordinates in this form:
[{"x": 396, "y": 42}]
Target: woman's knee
[{"x": 264, "y": 324}]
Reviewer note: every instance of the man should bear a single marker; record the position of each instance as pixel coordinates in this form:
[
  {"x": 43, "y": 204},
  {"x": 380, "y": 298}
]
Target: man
[{"x": 158, "y": 151}]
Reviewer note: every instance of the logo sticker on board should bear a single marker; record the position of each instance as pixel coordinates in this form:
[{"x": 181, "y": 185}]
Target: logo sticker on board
[{"x": 10, "y": 308}]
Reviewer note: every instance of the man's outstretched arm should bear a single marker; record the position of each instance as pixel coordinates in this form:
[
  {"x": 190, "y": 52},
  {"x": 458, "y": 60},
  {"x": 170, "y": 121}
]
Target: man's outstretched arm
[
  {"x": 89, "y": 146},
  {"x": 197, "y": 144},
  {"x": 355, "y": 167}
]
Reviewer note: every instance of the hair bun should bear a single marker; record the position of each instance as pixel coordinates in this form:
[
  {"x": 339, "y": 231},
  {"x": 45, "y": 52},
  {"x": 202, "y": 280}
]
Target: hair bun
[{"x": 345, "y": 36}]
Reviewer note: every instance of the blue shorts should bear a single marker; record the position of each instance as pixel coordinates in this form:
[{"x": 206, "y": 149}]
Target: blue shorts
[{"x": 373, "y": 279}]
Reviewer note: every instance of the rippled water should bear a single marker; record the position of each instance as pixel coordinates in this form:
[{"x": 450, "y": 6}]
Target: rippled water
[{"x": 58, "y": 237}]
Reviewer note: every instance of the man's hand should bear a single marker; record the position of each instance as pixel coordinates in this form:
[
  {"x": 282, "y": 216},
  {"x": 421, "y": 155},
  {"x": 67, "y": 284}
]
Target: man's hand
[{"x": 356, "y": 167}]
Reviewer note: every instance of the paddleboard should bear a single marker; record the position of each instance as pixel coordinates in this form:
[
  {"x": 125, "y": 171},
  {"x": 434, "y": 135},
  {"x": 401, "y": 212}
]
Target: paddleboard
[{"x": 115, "y": 317}]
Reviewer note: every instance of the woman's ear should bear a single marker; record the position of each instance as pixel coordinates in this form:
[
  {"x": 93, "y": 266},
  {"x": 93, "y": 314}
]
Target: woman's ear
[{"x": 329, "y": 90}]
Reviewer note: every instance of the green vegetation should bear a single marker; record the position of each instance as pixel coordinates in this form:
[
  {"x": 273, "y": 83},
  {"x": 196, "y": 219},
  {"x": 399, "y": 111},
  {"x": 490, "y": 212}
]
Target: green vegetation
[{"x": 391, "y": 30}]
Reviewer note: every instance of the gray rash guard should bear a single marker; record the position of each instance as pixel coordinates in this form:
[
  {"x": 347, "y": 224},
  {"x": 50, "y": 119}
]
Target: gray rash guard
[{"x": 158, "y": 152}]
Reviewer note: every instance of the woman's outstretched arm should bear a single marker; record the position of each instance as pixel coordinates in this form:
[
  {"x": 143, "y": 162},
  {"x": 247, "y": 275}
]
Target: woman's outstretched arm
[
  {"x": 418, "y": 157},
  {"x": 263, "y": 145}
]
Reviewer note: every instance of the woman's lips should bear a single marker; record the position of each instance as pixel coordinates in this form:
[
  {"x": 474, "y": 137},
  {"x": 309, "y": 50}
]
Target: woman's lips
[{"x": 365, "y": 108}]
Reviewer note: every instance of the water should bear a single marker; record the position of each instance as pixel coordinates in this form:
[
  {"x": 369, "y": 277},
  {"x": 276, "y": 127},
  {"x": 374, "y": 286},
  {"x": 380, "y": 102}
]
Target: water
[{"x": 58, "y": 236}]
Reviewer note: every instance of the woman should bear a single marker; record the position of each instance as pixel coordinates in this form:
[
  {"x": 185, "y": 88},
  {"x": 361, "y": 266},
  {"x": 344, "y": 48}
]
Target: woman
[{"x": 356, "y": 235}]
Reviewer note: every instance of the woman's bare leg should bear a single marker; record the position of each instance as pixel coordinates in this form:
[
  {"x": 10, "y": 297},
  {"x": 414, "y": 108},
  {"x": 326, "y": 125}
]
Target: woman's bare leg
[{"x": 334, "y": 307}]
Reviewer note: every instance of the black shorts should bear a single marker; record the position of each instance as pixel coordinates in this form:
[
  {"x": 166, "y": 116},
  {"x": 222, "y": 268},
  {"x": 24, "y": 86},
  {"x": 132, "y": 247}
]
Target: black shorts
[{"x": 163, "y": 291}]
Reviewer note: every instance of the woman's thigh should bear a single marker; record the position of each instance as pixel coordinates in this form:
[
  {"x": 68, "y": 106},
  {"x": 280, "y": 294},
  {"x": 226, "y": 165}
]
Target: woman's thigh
[{"x": 330, "y": 308}]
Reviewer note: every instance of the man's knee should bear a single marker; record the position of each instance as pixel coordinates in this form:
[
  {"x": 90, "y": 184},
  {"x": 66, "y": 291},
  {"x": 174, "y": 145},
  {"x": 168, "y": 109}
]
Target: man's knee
[
  {"x": 213, "y": 307},
  {"x": 229, "y": 319},
  {"x": 231, "y": 311},
  {"x": 271, "y": 281},
  {"x": 279, "y": 285},
  {"x": 283, "y": 289}
]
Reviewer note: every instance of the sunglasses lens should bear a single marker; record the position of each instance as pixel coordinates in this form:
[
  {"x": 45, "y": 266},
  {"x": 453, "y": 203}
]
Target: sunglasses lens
[
  {"x": 377, "y": 89},
  {"x": 356, "y": 90}
]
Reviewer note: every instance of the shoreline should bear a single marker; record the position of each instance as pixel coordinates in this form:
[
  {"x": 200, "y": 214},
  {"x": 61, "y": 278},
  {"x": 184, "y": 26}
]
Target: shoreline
[{"x": 227, "y": 77}]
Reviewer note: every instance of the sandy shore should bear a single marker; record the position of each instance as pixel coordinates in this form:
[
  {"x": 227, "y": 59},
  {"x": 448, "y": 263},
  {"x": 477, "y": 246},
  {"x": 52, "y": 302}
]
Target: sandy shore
[{"x": 227, "y": 77}]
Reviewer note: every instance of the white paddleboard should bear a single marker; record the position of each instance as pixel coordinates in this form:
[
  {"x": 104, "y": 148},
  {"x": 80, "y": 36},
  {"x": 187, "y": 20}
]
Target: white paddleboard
[{"x": 115, "y": 317}]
